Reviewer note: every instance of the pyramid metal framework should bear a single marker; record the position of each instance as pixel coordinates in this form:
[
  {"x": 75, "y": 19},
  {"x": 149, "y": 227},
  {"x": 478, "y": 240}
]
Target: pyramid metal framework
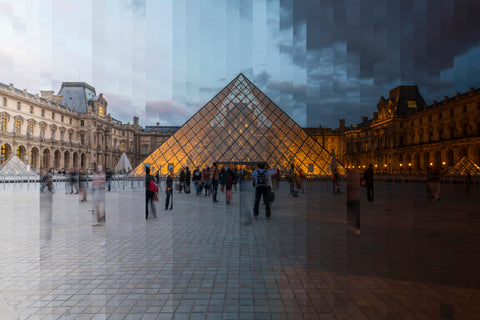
[
  {"x": 240, "y": 125},
  {"x": 15, "y": 167},
  {"x": 463, "y": 167}
]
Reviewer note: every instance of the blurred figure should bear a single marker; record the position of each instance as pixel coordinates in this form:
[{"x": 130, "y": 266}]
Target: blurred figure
[
  {"x": 368, "y": 176},
  {"x": 108, "y": 178},
  {"x": 150, "y": 191},
  {"x": 182, "y": 180},
  {"x": 83, "y": 181},
  {"x": 188, "y": 177},
  {"x": 222, "y": 179},
  {"x": 46, "y": 200},
  {"x": 214, "y": 185},
  {"x": 98, "y": 195},
  {"x": 228, "y": 184},
  {"x": 353, "y": 199},
  {"x": 337, "y": 183},
  {"x": 291, "y": 178}
]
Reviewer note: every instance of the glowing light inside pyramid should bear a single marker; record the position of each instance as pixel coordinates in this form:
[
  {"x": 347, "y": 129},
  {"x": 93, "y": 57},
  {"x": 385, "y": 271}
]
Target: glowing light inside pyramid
[{"x": 240, "y": 125}]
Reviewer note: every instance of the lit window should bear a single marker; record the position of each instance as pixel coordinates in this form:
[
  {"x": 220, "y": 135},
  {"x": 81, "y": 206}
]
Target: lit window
[
  {"x": 73, "y": 104},
  {"x": 30, "y": 129},
  {"x": 18, "y": 126},
  {"x": 78, "y": 98},
  {"x": 4, "y": 124},
  {"x": 100, "y": 111},
  {"x": 4, "y": 153}
]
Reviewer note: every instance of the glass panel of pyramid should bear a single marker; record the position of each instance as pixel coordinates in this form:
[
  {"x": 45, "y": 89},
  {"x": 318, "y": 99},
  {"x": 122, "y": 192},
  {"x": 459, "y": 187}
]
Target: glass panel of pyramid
[
  {"x": 15, "y": 167},
  {"x": 463, "y": 167},
  {"x": 240, "y": 125}
]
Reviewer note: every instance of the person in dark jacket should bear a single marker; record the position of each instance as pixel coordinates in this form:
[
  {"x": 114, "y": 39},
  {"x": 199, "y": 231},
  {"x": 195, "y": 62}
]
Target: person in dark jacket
[
  {"x": 188, "y": 177},
  {"x": 169, "y": 189},
  {"x": 368, "y": 176}
]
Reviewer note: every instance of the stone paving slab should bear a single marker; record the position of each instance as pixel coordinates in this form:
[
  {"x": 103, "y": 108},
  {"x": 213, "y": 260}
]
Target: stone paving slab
[{"x": 414, "y": 259}]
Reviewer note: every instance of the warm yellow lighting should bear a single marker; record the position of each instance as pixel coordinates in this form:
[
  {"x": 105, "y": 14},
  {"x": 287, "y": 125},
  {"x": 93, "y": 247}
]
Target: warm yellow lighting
[
  {"x": 358, "y": 167},
  {"x": 385, "y": 165},
  {"x": 443, "y": 162},
  {"x": 431, "y": 164},
  {"x": 376, "y": 166},
  {"x": 409, "y": 164},
  {"x": 364, "y": 166},
  {"x": 401, "y": 164}
]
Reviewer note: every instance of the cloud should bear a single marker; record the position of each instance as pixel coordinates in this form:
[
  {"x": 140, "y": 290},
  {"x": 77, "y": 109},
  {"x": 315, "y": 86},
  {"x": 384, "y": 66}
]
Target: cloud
[{"x": 165, "y": 112}]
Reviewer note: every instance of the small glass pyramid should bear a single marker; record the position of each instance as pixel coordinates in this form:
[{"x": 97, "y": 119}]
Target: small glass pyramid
[
  {"x": 240, "y": 126},
  {"x": 463, "y": 167},
  {"x": 15, "y": 167}
]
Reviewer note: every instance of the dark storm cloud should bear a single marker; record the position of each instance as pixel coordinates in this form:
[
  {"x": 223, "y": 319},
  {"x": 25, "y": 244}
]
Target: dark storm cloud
[{"x": 388, "y": 43}]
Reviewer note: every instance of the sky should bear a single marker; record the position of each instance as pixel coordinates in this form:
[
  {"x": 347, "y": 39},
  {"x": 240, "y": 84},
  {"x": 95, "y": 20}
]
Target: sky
[{"x": 318, "y": 60}]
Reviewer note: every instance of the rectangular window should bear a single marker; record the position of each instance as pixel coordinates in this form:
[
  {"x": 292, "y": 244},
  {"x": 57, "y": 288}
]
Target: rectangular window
[
  {"x": 31, "y": 109},
  {"x": 18, "y": 105},
  {"x": 70, "y": 137},
  {"x": 43, "y": 112},
  {"x": 53, "y": 115},
  {"x": 62, "y": 117},
  {"x": 123, "y": 133},
  {"x": 42, "y": 132},
  {"x": 30, "y": 129},
  {"x": 82, "y": 123},
  {"x": 18, "y": 126},
  {"x": 4, "y": 101},
  {"x": 70, "y": 121},
  {"x": 4, "y": 124},
  {"x": 100, "y": 111},
  {"x": 62, "y": 135},
  {"x": 52, "y": 134}
]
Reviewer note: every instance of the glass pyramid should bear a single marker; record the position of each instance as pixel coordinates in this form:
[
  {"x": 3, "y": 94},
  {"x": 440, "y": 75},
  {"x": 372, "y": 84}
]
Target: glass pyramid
[
  {"x": 240, "y": 126},
  {"x": 15, "y": 167},
  {"x": 463, "y": 167}
]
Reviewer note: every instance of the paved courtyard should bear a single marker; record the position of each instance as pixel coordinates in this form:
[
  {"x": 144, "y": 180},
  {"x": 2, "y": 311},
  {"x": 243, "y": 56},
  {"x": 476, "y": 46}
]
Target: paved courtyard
[{"x": 414, "y": 259}]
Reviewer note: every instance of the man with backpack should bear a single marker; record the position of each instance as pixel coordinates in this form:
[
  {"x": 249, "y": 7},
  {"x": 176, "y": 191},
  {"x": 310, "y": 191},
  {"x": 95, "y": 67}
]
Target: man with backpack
[{"x": 263, "y": 182}]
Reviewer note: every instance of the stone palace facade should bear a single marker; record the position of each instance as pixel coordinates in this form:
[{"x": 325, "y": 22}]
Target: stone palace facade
[{"x": 72, "y": 129}]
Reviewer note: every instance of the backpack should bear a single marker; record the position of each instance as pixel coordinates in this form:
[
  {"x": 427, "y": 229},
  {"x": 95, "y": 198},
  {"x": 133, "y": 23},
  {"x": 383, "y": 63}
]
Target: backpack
[
  {"x": 152, "y": 187},
  {"x": 261, "y": 179}
]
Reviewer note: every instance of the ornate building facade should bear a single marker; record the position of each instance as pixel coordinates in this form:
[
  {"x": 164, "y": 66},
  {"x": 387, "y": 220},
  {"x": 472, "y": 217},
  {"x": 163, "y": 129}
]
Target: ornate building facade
[
  {"x": 70, "y": 130},
  {"x": 74, "y": 129},
  {"x": 407, "y": 136}
]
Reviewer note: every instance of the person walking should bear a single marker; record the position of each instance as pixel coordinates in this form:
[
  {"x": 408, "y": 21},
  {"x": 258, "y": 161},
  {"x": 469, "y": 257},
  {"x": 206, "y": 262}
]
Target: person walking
[
  {"x": 263, "y": 183},
  {"x": 149, "y": 192},
  {"x": 353, "y": 199},
  {"x": 98, "y": 195},
  {"x": 368, "y": 176},
  {"x": 169, "y": 190},
  {"x": 215, "y": 176},
  {"x": 197, "y": 176}
]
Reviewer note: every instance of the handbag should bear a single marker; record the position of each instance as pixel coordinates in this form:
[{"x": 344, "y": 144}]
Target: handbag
[{"x": 155, "y": 197}]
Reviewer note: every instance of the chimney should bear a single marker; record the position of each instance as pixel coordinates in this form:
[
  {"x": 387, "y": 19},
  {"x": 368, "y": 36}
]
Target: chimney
[
  {"x": 135, "y": 121},
  {"x": 46, "y": 94},
  {"x": 342, "y": 123}
]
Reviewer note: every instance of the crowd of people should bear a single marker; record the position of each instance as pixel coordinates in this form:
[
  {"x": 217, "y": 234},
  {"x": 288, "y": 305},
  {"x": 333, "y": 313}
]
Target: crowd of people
[{"x": 212, "y": 180}]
